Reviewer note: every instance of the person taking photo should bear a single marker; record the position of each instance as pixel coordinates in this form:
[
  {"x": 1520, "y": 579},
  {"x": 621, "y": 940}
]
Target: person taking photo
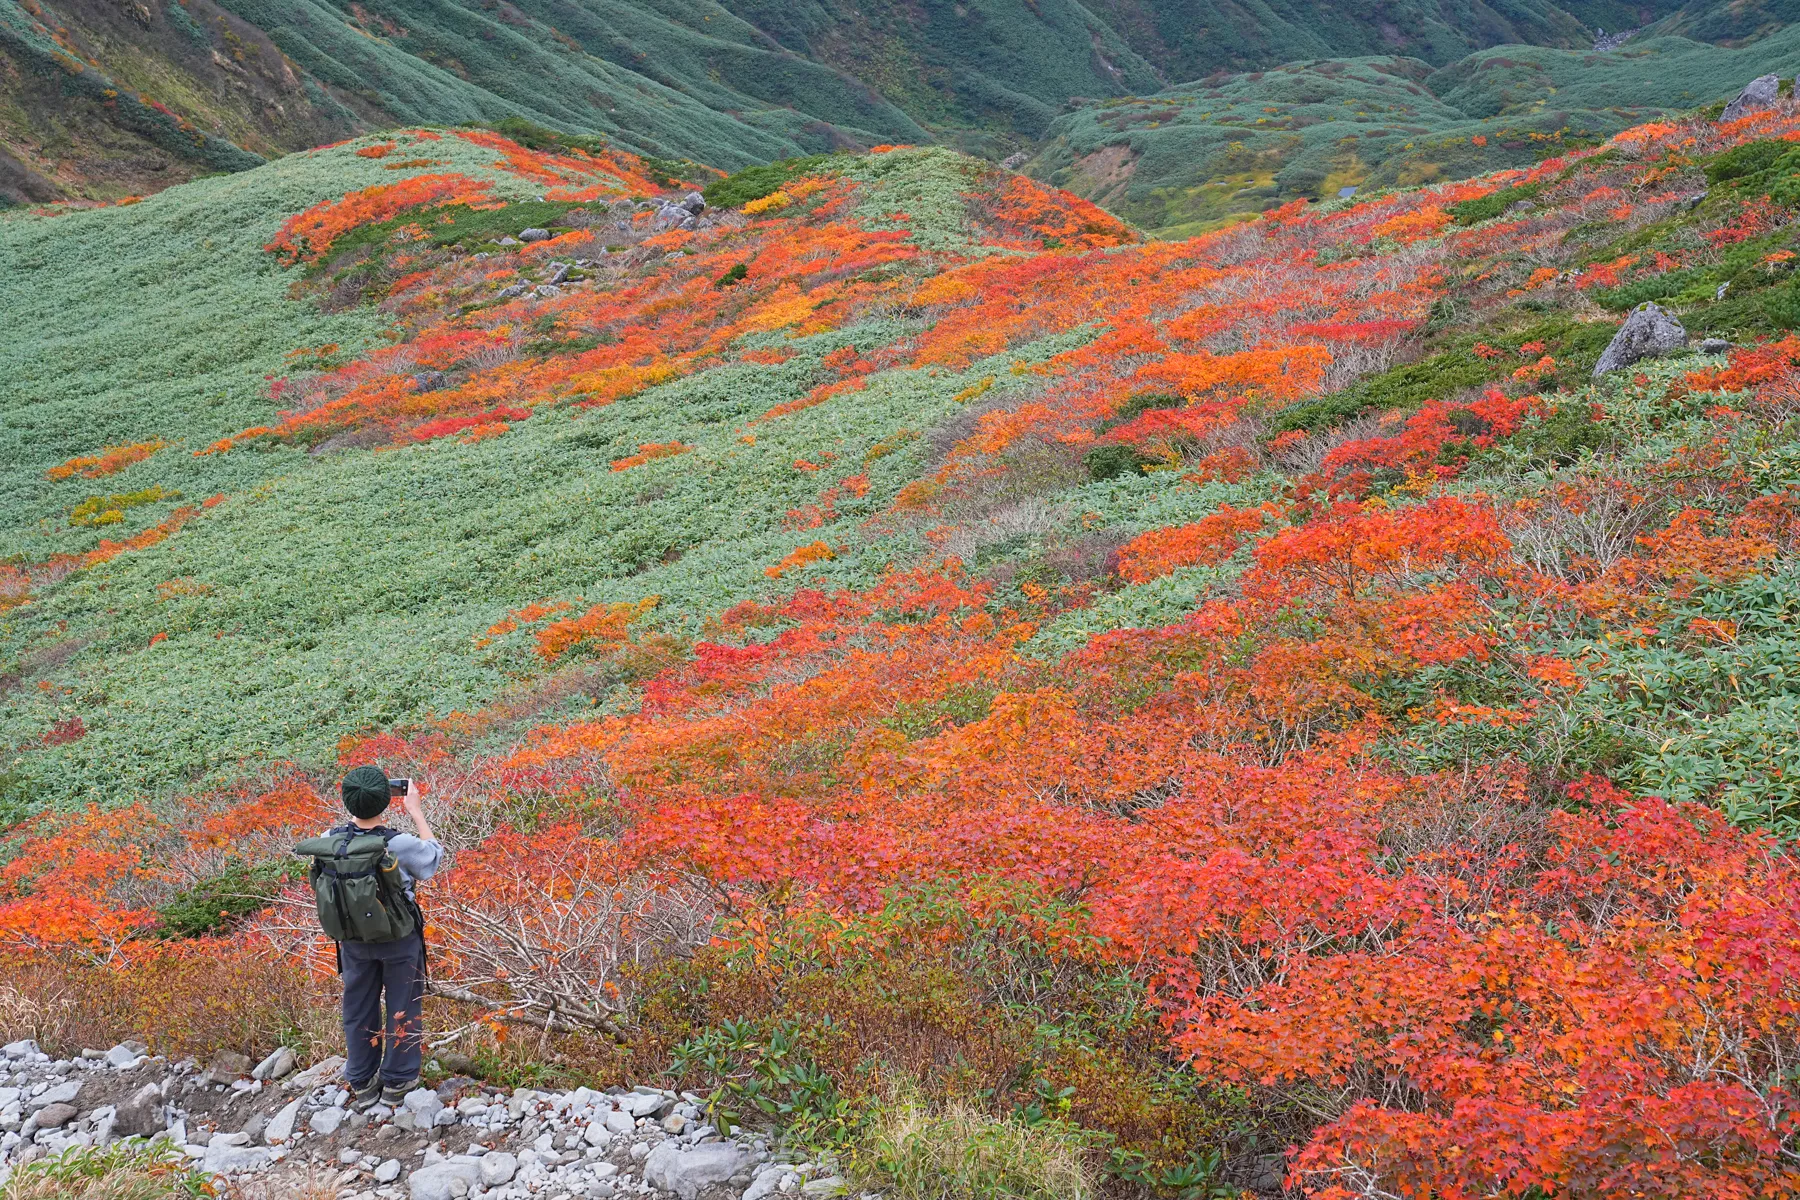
[{"x": 363, "y": 875}]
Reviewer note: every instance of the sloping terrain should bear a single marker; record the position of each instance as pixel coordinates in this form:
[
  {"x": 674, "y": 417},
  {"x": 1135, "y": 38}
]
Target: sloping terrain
[
  {"x": 897, "y": 642},
  {"x": 101, "y": 100},
  {"x": 1189, "y": 157}
]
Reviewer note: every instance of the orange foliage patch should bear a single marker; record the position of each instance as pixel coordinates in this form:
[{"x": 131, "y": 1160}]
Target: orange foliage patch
[{"x": 109, "y": 461}]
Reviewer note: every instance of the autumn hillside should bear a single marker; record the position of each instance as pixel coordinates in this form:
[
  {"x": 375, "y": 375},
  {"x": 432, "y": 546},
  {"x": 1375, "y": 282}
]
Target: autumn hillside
[{"x": 1243, "y": 712}]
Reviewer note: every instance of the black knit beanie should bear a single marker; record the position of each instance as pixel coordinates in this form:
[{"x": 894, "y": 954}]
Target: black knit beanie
[{"x": 366, "y": 792}]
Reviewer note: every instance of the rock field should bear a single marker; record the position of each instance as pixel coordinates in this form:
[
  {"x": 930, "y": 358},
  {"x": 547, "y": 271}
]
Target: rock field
[{"x": 277, "y": 1130}]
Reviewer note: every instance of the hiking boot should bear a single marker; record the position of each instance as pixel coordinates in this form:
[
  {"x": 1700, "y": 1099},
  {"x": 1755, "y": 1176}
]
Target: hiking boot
[
  {"x": 366, "y": 1095},
  {"x": 394, "y": 1094}
]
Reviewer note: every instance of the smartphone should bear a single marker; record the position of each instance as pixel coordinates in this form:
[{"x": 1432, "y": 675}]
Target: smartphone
[{"x": 398, "y": 788}]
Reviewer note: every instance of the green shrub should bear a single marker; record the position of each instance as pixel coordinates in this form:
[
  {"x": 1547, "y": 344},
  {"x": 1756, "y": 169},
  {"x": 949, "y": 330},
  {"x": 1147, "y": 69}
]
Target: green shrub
[
  {"x": 128, "y": 1170},
  {"x": 543, "y": 139},
  {"x": 960, "y": 1153},
  {"x": 768, "y": 1073},
  {"x": 1485, "y": 208},
  {"x": 753, "y": 183},
  {"x": 1113, "y": 461},
  {"x": 1436, "y": 378},
  {"x": 1137, "y": 406},
  {"x": 1562, "y": 436},
  {"x": 734, "y": 275},
  {"x": 219, "y": 901}
]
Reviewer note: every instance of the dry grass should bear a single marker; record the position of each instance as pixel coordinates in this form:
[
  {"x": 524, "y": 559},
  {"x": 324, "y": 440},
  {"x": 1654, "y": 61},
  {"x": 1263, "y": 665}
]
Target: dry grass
[{"x": 961, "y": 1153}]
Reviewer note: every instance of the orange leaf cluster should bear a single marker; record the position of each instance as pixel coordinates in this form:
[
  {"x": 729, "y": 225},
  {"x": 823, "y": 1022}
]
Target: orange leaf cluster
[{"x": 109, "y": 461}]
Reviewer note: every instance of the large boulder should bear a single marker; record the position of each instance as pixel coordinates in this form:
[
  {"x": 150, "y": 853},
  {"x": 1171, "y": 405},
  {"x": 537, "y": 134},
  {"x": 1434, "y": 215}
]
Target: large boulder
[
  {"x": 1649, "y": 331},
  {"x": 222, "y": 1158},
  {"x": 1757, "y": 95},
  {"x": 687, "y": 1172},
  {"x": 55, "y": 1116},
  {"x": 440, "y": 1181},
  {"x": 63, "y": 1093},
  {"x": 281, "y": 1127},
  {"x": 280, "y": 1061},
  {"x": 227, "y": 1066},
  {"x": 141, "y": 1115},
  {"x": 497, "y": 1167}
]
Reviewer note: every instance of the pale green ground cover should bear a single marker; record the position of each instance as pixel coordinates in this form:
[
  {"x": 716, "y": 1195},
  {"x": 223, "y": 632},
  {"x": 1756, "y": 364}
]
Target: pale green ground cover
[
  {"x": 333, "y": 593},
  {"x": 1191, "y": 156}
]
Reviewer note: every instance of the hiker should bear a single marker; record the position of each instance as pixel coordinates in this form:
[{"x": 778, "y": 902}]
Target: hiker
[{"x": 362, "y": 876}]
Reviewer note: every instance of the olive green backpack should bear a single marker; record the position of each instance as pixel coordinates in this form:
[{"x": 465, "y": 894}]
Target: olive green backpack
[{"x": 358, "y": 886}]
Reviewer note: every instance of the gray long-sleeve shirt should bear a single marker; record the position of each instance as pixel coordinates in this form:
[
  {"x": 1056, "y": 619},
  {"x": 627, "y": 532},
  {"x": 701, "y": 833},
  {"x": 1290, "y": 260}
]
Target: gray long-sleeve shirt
[{"x": 418, "y": 858}]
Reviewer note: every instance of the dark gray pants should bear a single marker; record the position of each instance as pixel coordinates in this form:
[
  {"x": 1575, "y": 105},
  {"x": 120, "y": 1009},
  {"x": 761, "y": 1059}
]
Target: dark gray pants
[{"x": 370, "y": 969}]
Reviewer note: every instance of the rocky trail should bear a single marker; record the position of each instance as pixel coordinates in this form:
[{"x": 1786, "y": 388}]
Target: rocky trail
[{"x": 271, "y": 1130}]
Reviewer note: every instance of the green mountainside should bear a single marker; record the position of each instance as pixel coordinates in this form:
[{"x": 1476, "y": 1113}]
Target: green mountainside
[
  {"x": 102, "y": 99},
  {"x": 1188, "y": 157}
]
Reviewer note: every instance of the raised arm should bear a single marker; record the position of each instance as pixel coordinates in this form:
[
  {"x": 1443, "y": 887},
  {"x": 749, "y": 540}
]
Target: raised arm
[{"x": 414, "y": 804}]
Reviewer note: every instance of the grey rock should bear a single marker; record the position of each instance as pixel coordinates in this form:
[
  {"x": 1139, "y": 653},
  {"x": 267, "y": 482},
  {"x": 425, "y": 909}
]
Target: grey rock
[
  {"x": 548, "y": 290},
  {"x": 142, "y": 1114},
  {"x": 240, "y": 1138},
  {"x": 281, "y": 1061},
  {"x": 24, "y": 1048},
  {"x": 388, "y": 1171},
  {"x": 226, "y": 1066},
  {"x": 62, "y": 1093},
  {"x": 829, "y": 1185},
  {"x": 281, "y": 1126},
  {"x": 1649, "y": 331},
  {"x": 55, "y": 1116},
  {"x": 686, "y": 1172},
  {"x": 559, "y": 272},
  {"x": 644, "y": 1104},
  {"x": 507, "y": 241},
  {"x": 439, "y": 1181},
  {"x": 445, "y": 1117},
  {"x": 767, "y": 1182},
  {"x": 597, "y": 1134},
  {"x": 1015, "y": 160},
  {"x": 534, "y": 235},
  {"x": 1723, "y": 288},
  {"x": 425, "y": 1104},
  {"x": 1757, "y": 95},
  {"x": 672, "y": 216},
  {"x": 230, "y": 1160},
  {"x": 498, "y": 1168},
  {"x": 319, "y": 1072},
  {"x": 123, "y": 1057},
  {"x": 619, "y": 1122},
  {"x": 1714, "y": 345},
  {"x": 325, "y": 1122},
  {"x": 513, "y": 289},
  {"x": 694, "y": 203}
]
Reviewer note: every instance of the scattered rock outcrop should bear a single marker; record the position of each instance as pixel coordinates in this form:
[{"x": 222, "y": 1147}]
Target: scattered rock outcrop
[
  {"x": 1649, "y": 331},
  {"x": 273, "y": 1125},
  {"x": 1757, "y": 95}
]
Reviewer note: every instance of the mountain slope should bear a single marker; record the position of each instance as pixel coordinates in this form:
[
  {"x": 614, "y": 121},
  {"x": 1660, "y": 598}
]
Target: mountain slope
[
  {"x": 898, "y": 624},
  {"x": 1187, "y": 157},
  {"x": 102, "y": 99}
]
